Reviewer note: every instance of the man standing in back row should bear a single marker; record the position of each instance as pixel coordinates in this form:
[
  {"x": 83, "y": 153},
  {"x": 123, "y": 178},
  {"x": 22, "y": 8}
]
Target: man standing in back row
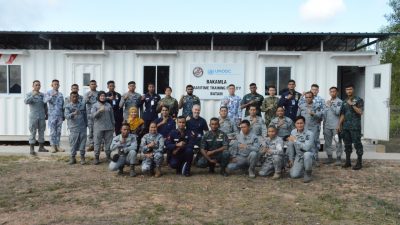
[
  {"x": 350, "y": 126},
  {"x": 37, "y": 116},
  {"x": 90, "y": 99},
  {"x": 252, "y": 99},
  {"x": 55, "y": 101}
]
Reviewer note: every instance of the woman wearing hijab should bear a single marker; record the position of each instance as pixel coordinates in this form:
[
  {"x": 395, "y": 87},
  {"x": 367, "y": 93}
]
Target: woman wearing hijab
[{"x": 104, "y": 123}]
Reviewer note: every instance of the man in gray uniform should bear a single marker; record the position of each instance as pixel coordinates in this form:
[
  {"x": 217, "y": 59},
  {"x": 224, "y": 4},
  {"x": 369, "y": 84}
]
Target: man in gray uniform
[
  {"x": 313, "y": 113},
  {"x": 129, "y": 99},
  {"x": 74, "y": 88},
  {"x": 90, "y": 98},
  {"x": 37, "y": 116},
  {"x": 245, "y": 150},
  {"x": 226, "y": 125},
  {"x": 55, "y": 101},
  {"x": 103, "y": 126},
  {"x": 331, "y": 121},
  {"x": 300, "y": 150},
  {"x": 126, "y": 145},
  {"x": 257, "y": 123},
  {"x": 75, "y": 113},
  {"x": 273, "y": 150}
]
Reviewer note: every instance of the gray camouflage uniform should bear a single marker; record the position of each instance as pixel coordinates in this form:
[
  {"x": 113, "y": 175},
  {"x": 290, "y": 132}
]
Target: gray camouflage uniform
[
  {"x": 284, "y": 128},
  {"x": 313, "y": 123},
  {"x": 37, "y": 116},
  {"x": 148, "y": 164},
  {"x": 103, "y": 126},
  {"x": 67, "y": 100},
  {"x": 77, "y": 127},
  {"x": 331, "y": 121},
  {"x": 126, "y": 151},
  {"x": 274, "y": 161},
  {"x": 244, "y": 157},
  {"x": 258, "y": 127},
  {"x": 90, "y": 98},
  {"x": 228, "y": 127},
  {"x": 56, "y": 115},
  {"x": 301, "y": 152},
  {"x": 133, "y": 99}
]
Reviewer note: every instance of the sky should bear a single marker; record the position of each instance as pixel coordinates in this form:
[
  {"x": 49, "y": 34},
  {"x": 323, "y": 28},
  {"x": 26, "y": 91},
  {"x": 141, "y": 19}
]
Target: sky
[{"x": 190, "y": 15}]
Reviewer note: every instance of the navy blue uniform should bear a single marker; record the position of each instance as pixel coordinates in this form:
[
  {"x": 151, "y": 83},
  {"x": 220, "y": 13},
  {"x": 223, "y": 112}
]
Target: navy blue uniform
[
  {"x": 198, "y": 126},
  {"x": 150, "y": 108},
  {"x": 182, "y": 160},
  {"x": 165, "y": 128},
  {"x": 291, "y": 105},
  {"x": 118, "y": 112}
]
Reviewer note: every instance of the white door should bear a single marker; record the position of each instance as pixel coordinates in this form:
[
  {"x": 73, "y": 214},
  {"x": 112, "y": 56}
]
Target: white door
[
  {"x": 83, "y": 73},
  {"x": 377, "y": 102}
]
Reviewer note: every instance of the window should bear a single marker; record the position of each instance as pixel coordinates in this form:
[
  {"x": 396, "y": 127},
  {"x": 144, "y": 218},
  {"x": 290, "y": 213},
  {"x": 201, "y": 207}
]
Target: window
[
  {"x": 277, "y": 76},
  {"x": 158, "y": 75},
  {"x": 10, "y": 79},
  {"x": 86, "y": 79},
  {"x": 377, "y": 80}
]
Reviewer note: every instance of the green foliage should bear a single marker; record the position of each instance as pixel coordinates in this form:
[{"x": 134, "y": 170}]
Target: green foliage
[{"x": 391, "y": 54}]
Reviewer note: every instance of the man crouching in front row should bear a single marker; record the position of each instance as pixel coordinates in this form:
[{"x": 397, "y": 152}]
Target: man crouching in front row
[{"x": 126, "y": 145}]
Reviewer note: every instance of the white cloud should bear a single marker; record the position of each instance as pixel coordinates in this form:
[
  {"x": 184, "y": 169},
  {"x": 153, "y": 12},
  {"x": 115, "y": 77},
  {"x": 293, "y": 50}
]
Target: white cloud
[
  {"x": 321, "y": 10},
  {"x": 24, "y": 14}
]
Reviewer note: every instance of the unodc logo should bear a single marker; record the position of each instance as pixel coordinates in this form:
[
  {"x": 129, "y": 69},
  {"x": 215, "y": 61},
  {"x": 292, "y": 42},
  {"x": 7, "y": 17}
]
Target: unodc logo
[{"x": 198, "y": 71}]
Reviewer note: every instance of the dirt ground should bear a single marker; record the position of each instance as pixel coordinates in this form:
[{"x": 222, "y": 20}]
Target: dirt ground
[{"x": 48, "y": 191}]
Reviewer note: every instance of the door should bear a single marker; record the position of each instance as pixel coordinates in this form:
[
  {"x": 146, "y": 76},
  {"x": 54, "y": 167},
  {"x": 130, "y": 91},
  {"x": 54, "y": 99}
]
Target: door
[
  {"x": 84, "y": 73},
  {"x": 377, "y": 102}
]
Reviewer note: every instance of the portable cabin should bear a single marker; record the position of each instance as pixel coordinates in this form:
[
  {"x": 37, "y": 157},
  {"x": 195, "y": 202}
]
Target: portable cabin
[{"x": 208, "y": 60}]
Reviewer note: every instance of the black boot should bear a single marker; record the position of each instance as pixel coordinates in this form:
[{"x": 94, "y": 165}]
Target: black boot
[
  {"x": 329, "y": 160},
  {"x": 347, "y": 164},
  {"x": 358, "y": 166},
  {"x": 211, "y": 169},
  {"x": 83, "y": 160},
  {"x": 307, "y": 176},
  {"x": 121, "y": 170},
  {"x": 96, "y": 160},
  {"x": 223, "y": 172},
  {"x": 132, "y": 172},
  {"x": 108, "y": 155},
  {"x": 72, "y": 160},
  {"x": 32, "y": 149},
  {"x": 41, "y": 148}
]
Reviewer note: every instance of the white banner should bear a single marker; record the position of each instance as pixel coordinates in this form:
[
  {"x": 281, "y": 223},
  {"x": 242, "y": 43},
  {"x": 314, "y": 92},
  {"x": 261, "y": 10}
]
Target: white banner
[{"x": 210, "y": 81}]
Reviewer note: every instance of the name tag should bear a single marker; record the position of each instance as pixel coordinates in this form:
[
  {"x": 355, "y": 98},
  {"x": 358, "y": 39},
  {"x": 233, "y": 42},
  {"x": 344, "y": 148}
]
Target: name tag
[
  {"x": 220, "y": 139},
  {"x": 176, "y": 139}
]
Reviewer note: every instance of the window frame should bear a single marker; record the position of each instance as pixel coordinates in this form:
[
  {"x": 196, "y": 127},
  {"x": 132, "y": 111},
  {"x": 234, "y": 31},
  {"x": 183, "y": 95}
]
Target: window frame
[
  {"x": 8, "y": 79},
  {"x": 156, "y": 83},
  {"x": 278, "y": 76}
]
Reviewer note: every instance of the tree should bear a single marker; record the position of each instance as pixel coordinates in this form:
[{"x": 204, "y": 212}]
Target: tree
[
  {"x": 391, "y": 54},
  {"x": 391, "y": 50}
]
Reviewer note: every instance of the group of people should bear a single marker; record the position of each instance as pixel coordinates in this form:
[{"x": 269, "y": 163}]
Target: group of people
[{"x": 145, "y": 128}]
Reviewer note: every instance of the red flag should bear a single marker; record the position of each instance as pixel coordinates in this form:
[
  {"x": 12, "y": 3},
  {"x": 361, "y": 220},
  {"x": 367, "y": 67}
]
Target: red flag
[{"x": 12, "y": 58}]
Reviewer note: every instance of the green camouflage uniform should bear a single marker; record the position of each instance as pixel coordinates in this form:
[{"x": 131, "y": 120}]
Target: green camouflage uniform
[
  {"x": 269, "y": 106},
  {"x": 211, "y": 141},
  {"x": 351, "y": 127}
]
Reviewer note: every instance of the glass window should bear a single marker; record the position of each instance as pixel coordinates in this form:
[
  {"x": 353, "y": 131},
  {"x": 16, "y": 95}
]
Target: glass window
[
  {"x": 158, "y": 75},
  {"x": 162, "y": 79},
  {"x": 277, "y": 76},
  {"x": 10, "y": 79},
  {"x": 14, "y": 79},
  {"x": 86, "y": 79},
  {"x": 3, "y": 79},
  {"x": 377, "y": 80}
]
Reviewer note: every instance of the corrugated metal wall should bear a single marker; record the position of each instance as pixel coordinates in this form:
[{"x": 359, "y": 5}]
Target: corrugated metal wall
[{"x": 124, "y": 66}]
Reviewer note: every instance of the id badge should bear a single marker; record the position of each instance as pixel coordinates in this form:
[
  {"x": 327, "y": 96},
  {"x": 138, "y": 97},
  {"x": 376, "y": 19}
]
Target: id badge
[{"x": 152, "y": 102}]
